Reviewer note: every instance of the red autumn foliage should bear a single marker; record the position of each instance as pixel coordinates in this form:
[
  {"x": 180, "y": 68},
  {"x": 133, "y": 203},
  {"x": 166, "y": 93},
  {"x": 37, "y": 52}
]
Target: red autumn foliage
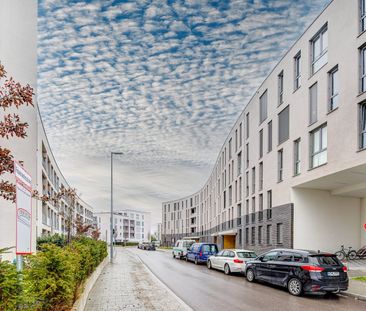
[{"x": 12, "y": 94}]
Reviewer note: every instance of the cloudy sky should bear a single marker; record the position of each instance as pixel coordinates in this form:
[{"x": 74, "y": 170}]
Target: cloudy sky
[{"x": 163, "y": 81}]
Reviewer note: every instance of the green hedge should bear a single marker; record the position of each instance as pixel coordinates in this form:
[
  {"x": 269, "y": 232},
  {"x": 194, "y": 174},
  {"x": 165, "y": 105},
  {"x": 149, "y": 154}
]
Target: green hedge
[
  {"x": 53, "y": 278},
  {"x": 127, "y": 243}
]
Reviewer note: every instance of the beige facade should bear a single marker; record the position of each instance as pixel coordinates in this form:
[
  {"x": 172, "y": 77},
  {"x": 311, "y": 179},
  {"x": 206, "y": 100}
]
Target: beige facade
[
  {"x": 292, "y": 170},
  {"x": 18, "y": 53}
]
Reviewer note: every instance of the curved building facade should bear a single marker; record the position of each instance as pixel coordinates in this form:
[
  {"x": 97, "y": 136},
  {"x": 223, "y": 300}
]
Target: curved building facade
[{"x": 292, "y": 171}]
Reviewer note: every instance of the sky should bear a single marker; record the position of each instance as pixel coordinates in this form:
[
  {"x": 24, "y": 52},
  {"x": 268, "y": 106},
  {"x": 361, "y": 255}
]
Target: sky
[{"x": 161, "y": 81}]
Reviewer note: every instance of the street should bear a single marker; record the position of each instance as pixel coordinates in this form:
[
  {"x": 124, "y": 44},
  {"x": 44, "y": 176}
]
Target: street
[{"x": 204, "y": 289}]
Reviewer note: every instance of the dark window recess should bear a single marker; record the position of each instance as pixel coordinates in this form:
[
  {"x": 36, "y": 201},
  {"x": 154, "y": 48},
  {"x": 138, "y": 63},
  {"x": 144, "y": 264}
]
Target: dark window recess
[{"x": 283, "y": 125}]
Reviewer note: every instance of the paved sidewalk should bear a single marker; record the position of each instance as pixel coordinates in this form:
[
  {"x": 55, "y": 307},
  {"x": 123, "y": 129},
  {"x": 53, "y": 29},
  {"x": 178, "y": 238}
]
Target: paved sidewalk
[
  {"x": 128, "y": 285},
  {"x": 356, "y": 289}
]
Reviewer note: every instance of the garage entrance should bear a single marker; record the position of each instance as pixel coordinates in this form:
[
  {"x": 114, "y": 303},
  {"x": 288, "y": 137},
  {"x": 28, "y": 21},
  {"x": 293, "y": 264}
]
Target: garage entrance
[{"x": 229, "y": 241}]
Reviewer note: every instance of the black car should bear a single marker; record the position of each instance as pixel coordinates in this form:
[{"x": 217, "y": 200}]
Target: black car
[
  {"x": 299, "y": 271},
  {"x": 148, "y": 246}
]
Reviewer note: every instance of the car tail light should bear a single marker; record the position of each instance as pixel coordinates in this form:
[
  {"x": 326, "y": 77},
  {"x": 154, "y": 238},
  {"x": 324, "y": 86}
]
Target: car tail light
[
  {"x": 238, "y": 261},
  {"x": 200, "y": 254},
  {"x": 344, "y": 269},
  {"x": 312, "y": 268}
]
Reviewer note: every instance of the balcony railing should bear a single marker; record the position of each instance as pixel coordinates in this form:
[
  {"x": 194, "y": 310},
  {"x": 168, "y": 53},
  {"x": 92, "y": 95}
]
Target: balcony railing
[
  {"x": 247, "y": 219},
  {"x": 269, "y": 213},
  {"x": 253, "y": 218},
  {"x": 260, "y": 216}
]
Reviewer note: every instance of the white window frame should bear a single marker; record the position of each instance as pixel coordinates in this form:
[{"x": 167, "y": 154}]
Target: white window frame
[
  {"x": 297, "y": 159},
  {"x": 263, "y": 106},
  {"x": 363, "y": 69},
  {"x": 362, "y": 15},
  {"x": 362, "y": 126},
  {"x": 280, "y": 165},
  {"x": 323, "y": 51},
  {"x": 321, "y": 147},
  {"x": 280, "y": 88},
  {"x": 333, "y": 94},
  {"x": 297, "y": 71}
]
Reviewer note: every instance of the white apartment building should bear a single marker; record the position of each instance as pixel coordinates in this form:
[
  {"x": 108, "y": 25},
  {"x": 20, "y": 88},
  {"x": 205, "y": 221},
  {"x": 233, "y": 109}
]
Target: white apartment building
[
  {"x": 158, "y": 232},
  {"x": 129, "y": 225},
  {"x": 292, "y": 171},
  {"x": 18, "y": 53}
]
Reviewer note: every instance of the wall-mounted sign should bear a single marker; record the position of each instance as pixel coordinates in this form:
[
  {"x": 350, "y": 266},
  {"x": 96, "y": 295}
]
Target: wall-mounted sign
[
  {"x": 23, "y": 210},
  {"x": 364, "y": 226}
]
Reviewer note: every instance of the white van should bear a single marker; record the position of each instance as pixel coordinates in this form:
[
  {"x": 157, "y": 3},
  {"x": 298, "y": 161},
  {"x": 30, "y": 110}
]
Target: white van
[{"x": 180, "y": 248}]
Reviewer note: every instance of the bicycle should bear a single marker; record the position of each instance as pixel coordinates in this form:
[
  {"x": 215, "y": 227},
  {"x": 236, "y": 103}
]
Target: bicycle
[{"x": 349, "y": 255}]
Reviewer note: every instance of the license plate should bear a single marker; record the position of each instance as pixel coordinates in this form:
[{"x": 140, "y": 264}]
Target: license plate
[{"x": 333, "y": 273}]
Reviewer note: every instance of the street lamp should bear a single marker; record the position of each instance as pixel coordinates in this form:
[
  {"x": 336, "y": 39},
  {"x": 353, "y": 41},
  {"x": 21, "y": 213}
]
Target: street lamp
[{"x": 111, "y": 224}]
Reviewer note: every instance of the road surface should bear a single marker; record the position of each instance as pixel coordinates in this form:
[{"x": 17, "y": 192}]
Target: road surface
[{"x": 204, "y": 289}]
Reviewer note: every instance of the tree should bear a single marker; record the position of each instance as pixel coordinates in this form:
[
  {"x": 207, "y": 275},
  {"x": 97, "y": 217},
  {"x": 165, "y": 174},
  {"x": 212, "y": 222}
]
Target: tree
[
  {"x": 12, "y": 94},
  {"x": 82, "y": 229},
  {"x": 95, "y": 233},
  {"x": 153, "y": 238}
]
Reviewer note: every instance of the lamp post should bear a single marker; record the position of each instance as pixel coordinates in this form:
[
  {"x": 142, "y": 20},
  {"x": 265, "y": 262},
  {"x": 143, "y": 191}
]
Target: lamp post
[{"x": 111, "y": 224}]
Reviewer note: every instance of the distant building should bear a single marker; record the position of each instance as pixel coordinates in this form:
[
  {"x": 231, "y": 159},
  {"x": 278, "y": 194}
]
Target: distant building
[
  {"x": 129, "y": 225},
  {"x": 158, "y": 233}
]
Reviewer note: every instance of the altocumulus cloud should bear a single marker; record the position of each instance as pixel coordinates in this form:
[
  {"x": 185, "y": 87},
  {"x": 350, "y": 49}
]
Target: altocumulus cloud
[{"x": 162, "y": 81}]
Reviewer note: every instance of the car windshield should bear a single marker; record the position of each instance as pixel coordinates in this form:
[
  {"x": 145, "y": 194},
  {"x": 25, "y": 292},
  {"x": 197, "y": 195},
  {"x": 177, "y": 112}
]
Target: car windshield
[
  {"x": 246, "y": 255},
  {"x": 327, "y": 260},
  {"x": 187, "y": 244},
  {"x": 209, "y": 248}
]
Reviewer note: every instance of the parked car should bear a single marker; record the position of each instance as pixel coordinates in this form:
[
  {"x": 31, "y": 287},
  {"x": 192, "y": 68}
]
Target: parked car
[
  {"x": 140, "y": 245},
  {"x": 181, "y": 247},
  {"x": 300, "y": 271},
  {"x": 231, "y": 260},
  {"x": 146, "y": 246},
  {"x": 156, "y": 243},
  {"x": 200, "y": 252}
]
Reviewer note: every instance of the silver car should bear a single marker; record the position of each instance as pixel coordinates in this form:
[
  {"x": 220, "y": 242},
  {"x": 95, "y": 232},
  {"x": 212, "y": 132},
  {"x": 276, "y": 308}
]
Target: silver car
[{"x": 231, "y": 260}]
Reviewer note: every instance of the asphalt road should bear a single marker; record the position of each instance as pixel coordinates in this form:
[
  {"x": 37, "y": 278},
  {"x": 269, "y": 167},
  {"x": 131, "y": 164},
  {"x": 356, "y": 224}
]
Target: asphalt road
[{"x": 204, "y": 289}]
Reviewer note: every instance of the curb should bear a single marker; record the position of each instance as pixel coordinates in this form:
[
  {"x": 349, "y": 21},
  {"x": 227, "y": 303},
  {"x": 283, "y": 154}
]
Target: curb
[
  {"x": 80, "y": 303},
  {"x": 354, "y": 296},
  {"x": 184, "y": 305}
]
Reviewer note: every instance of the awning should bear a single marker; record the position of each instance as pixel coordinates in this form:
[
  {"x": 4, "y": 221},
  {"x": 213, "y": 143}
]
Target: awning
[
  {"x": 227, "y": 232},
  {"x": 191, "y": 237}
]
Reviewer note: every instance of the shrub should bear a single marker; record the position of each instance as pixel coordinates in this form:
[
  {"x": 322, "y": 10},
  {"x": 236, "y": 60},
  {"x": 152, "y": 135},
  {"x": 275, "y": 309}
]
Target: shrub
[
  {"x": 51, "y": 277},
  {"x": 57, "y": 239},
  {"x": 8, "y": 286}
]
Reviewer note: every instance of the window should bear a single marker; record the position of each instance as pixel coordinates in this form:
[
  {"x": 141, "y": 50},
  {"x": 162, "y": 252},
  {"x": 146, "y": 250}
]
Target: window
[
  {"x": 240, "y": 237},
  {"x": 261, "y": 143},
  {"x": 263, "y": 107},
  {"x": 318, "y": 139},
  {"x": 247, "y": 125},
  {"x": 279, "y": 233},
  {"x": 285, "y": 256},
  {"x": 230, "y": 146},
  {"x": 280, "y": 165},
  {"x": 319, "y": 50},
  {"x": 236, "y": 140},
  {"x": 363, "y": 69},
  {"x": 260, "y": 202},
  {"x": 260, "y": 228},
  {"x": 239, "y": 163},
  {"x": 270, "y": 256},
  {"x": 280, "y": 88},
  {"x": 247, "y": 183},
  {"x": 283, "y": 125},
  {"x": 260, "y": 176},
  {"x": 253, "y": 180},
  {"x": 297, "y": 69},
  {"x": 269, "y": 136},
  {"x": 253, "y": 236},
  {"x": 363, "y": 15},
  {"x": 313, "y": 103},
  {"x": 297, "y": 157},
  {"x": 247, "y": 236},
  {"x": 362, "y": 126},
  {"x": 247, "y": 155},
  {"x": 269, "y": 235},
  {"x": 333, "y": 89},
  {"x": 240, "y": 134}
]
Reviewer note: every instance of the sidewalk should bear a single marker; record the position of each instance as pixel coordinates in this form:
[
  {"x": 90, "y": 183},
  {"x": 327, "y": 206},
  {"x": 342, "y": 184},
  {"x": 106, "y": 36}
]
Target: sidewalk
[
  {"x": 356, "y": 289},
  {"x": 128, "y": 285}
]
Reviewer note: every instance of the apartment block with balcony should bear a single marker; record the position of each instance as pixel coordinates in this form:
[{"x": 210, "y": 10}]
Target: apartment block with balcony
[
  {"x": 128, "y": 225},
  {"x": 292, "y": 170}
]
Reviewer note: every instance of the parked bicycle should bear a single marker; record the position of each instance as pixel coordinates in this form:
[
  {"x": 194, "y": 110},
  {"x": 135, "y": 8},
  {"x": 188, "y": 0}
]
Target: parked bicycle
[
  {"x": 344, "y": 254},
  {"x": 361, "y": 253}
]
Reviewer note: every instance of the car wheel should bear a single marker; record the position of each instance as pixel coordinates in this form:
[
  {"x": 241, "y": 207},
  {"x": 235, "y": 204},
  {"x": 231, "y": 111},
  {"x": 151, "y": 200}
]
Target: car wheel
[
  {"x": 186, "y": 258},
  {"x": 173, "y": 255},
  {"x": 227, "y": 269},
  {"x": 209, "y": 264},
  {"x": 196, "y": 261},
  {"x": 250, "y": 275},
  {"x": 294, "y": 287}
]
